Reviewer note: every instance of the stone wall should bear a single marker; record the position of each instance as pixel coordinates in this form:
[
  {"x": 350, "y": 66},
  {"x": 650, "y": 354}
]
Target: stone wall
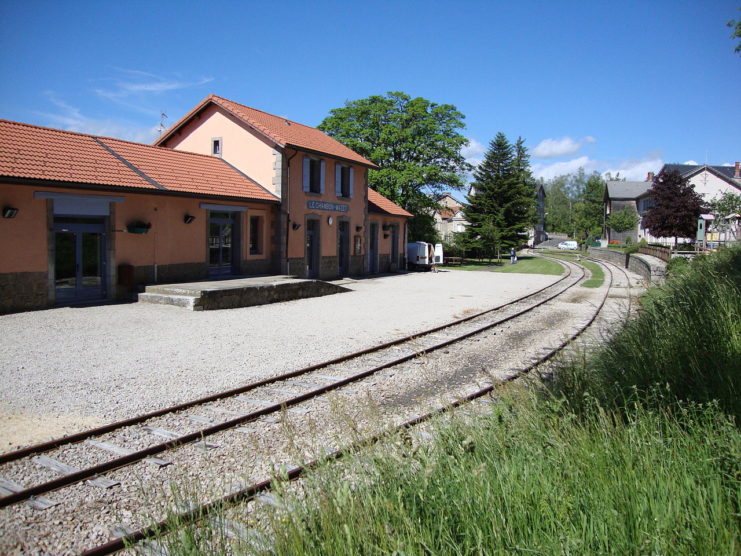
[
  {"x": 651, "y": 268},
  {"x": 21, "y": 291},
  {"x": 328, "y": 268}
]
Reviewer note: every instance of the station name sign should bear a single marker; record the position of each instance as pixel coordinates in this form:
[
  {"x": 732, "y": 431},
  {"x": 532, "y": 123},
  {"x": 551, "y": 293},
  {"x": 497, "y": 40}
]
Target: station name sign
[{"x": 324, "y": 205}]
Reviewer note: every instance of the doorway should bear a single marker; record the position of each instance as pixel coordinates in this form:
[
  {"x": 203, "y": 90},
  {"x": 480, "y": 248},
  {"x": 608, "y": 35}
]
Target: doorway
[
  {"x": 343, "y": 247},
  {"x": 223, "y": 249},
  {"x": 373, "y": 249},
  {"x": 79, "y": 260},
  {"x": 312, "y": 248}
]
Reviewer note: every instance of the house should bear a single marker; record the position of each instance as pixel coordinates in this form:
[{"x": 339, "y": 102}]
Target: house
[
  {"x": 448, "y": 217},
  {"x": 627, "y": 194},
  {"x": 88, "y": 218},
  {"x": 709, "y": 181},
  {"x": 321, "y": 184}
]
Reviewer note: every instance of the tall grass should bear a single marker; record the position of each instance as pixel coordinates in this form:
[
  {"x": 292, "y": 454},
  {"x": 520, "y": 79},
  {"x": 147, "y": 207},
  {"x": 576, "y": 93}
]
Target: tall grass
[
  {"x": 686, "y": 345},
  {"x": 526, "y": 481}
]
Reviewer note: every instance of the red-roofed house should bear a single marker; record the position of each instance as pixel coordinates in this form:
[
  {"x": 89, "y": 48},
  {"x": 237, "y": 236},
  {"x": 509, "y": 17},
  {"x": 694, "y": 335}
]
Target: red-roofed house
[
  {"x": 324, "y": 230},
  {"x": 86, "y": 218}
]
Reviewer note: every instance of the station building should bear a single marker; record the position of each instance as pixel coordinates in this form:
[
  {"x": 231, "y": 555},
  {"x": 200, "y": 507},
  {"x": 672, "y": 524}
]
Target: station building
[{"x": 228, "y": 190}]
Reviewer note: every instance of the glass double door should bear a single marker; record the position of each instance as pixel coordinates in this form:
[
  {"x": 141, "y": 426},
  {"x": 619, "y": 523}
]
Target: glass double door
[
  {"x": 79, "y": 260},
  {"x": 223, "y": 254}
]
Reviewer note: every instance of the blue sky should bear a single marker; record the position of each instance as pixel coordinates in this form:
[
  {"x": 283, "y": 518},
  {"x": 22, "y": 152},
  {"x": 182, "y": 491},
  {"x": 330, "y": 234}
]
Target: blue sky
[{"x": 608, "y": 86}]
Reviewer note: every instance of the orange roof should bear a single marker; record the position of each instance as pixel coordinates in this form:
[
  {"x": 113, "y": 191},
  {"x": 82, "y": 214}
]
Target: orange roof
[
  {"x": 32, "y": 152},
  {"x": 283, "y": 132},
  {"x": 379, "y": 203}
]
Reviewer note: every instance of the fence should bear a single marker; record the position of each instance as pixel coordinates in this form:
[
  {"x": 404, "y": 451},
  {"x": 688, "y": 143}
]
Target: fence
[{"x": 663, "y": 253}]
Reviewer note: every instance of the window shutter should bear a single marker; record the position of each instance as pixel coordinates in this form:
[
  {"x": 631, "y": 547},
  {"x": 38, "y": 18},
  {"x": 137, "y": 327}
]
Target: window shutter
[
  {"x": 337, "y": 179},
  {"x": 352, "y": 180},
  {"x": 307, "y": 173},
  {"x": 321, "y": 179}
]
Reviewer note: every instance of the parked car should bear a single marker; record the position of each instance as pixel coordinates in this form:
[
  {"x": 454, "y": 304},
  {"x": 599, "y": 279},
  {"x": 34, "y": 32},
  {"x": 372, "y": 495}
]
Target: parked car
[{"x": 570, "y": 245}]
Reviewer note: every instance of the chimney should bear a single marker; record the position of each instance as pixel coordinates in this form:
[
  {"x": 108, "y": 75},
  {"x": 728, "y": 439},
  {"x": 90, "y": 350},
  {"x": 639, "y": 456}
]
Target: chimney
[
  {"x": 650, "y": 176},
  {"x": 737, "y": 175}
]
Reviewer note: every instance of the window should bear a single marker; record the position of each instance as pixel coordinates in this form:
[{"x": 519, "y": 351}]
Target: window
[
  {"x": 255, "y": 235},
  {"x": 313, "y": 175},
  {"x": 216, "y": 146},
  {"x": 343, "y": 180}
]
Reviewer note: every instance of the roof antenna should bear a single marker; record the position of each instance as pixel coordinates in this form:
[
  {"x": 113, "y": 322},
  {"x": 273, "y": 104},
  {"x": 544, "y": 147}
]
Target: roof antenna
[{"x": 162, "y": 127}]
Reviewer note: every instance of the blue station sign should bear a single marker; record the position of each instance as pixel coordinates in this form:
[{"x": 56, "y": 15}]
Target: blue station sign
[{"x": 324, "y": 205}]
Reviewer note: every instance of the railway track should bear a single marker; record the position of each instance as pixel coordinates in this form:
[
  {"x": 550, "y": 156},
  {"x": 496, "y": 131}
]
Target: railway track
[
  {"x": 256, "y": 490},
  {"x": 310, "y": 382}
]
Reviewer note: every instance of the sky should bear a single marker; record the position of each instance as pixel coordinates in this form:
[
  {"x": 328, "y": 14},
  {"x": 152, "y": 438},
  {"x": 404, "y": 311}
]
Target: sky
[{"x": 607, "y": 86}]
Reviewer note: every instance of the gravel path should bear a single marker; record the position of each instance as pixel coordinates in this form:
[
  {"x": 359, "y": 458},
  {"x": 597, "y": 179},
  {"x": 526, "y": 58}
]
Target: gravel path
[{"x": 71, "y": 368}]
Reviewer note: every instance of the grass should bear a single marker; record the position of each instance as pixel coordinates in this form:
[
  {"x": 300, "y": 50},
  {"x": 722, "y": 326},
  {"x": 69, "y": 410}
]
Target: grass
[
  {"x": 525, "y": 265},
  {"x": 633, "y": 449}
]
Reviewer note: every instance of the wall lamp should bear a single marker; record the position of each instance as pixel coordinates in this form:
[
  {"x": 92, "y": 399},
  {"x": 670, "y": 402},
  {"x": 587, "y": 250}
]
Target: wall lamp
[
  {"x": 188, "y": 218},
  {"x": 295, "y": 225},
  {"x": 358, "y": 228},
  {"x": 9, "y": 212}
]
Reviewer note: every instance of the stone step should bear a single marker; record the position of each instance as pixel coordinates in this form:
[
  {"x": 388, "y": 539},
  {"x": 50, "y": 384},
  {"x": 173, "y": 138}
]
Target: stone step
[{"x": 186, "y": 301}]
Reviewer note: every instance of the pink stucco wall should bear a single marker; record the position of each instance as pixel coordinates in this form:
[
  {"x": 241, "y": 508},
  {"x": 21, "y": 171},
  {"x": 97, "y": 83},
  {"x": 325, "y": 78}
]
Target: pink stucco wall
[
  {"x": 23, "y": 239},
  {"x": 250, "y": 152},
  {"x": 298, "y": 210}
]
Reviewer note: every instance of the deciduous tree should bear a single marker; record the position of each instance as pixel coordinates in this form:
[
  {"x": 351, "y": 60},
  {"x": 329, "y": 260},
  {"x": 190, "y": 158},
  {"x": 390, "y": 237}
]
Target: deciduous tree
[
  {"x": 416, "y": 144},
  {"x": 676, "y": 207},
  {"x": 623, "y": 220}
]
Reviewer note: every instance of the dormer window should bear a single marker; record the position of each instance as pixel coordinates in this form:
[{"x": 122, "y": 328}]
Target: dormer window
[{"x": 216, "y": 146}]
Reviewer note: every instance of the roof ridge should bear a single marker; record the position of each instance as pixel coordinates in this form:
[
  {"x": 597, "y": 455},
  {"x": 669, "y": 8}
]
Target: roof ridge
[{"x": 267, "y": 113}]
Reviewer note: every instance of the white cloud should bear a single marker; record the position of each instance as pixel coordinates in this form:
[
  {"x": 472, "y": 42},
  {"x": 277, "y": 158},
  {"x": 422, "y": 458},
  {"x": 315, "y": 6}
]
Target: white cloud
[
  {"x": 564, "y": 146},
  {"x": 134, "y": 89},
  {"x": 630, "y": 169},
  {"x": 473, "y": 152},
  {"x": 635, "y": 169},
  {"x": 548, "y": 171},
  {"x": 690, "y": 162},
  {"x": 71, "y": 118}
]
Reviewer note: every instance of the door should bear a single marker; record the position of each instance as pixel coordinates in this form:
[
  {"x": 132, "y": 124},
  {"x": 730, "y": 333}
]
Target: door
[
  {"x": 343, "y": 247},
  {"x": 394, "y": 247},
  {"x": 312, "y": 248},
  {"x": 79, "y": 260},
  {"x": 222, "y": 247},
  {"x": 373, "y": 249}
]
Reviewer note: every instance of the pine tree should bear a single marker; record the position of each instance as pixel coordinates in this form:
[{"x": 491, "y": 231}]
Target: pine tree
[
  {"x": 676, "y": 207},
  {"x": 501, "y": 205}
]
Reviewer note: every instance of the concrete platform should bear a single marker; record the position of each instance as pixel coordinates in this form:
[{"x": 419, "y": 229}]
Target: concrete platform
[{"x": 237, "y": 292}]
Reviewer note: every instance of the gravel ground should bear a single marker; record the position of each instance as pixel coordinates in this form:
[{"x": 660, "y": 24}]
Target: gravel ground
[{"x": 71, "y": 368}]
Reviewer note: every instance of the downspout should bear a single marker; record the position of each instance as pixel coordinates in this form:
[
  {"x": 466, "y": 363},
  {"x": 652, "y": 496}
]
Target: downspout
[{"x": 288, "y": 205}]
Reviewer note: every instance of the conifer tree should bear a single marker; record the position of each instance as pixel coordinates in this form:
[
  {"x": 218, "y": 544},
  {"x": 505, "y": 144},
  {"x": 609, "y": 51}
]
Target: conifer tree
[{"x": 501, "y": 204}]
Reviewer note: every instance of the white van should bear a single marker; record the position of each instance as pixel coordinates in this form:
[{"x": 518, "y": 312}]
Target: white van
[
  {"x": 421, "y": 254},
  {"x": 570, "y": 245}
]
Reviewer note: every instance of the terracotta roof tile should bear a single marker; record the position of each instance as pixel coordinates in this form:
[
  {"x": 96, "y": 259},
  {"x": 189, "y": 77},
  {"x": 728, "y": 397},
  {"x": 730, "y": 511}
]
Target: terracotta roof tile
[
  {"x": 282, "y": 131},
  {"x": 33, "y": 152},
  {"x": 379, "y": 203}
]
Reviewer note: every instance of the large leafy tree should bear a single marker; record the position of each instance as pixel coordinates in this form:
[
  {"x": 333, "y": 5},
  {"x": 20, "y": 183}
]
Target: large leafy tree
[
  {"x": 501, "y": 205},
  {"x": 589, "y": 209},
  {"x": 416, "y": 144},
  {"x": 676, "y": 207}
]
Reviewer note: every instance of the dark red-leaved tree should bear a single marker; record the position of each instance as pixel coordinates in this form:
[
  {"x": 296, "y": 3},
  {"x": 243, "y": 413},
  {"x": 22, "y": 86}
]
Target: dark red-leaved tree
[{"x": 676, "y": 207}]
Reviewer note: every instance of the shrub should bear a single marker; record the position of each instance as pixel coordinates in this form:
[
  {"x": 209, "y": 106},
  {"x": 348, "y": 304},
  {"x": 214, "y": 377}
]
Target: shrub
[{"x": 676, "y": 266}]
